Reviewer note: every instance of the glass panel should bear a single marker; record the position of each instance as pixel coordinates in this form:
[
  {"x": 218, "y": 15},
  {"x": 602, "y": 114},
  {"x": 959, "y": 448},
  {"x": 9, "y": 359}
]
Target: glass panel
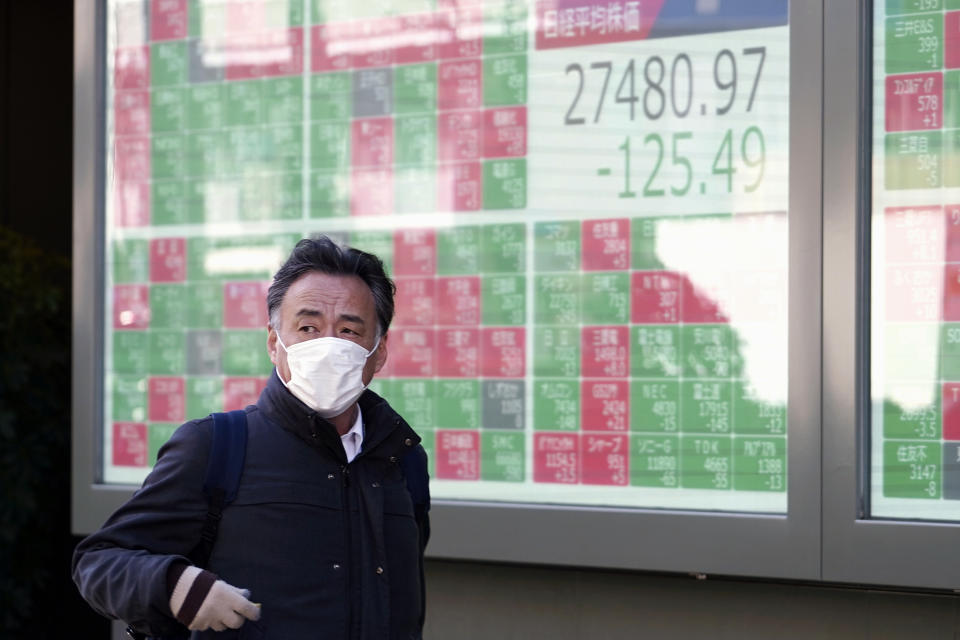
[
  {"x": 915, "y": 294},
  {"x": 583, "y": 203}
]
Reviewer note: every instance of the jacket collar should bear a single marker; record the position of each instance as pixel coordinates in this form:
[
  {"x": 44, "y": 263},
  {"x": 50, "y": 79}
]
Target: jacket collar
[{"x": 381, "y": 422}]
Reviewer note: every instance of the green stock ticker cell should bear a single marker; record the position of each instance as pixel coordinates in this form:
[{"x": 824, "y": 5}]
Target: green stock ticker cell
[
  {"x": 330, "y": 145},
  {"x": 168, "y": 306},
  {"x": 458, "y": 250},
  {"x": 705, "y": 462},
  {"x": 130, "y": 351},
  {"x": 556, "y": 352},
  {"x": 950, "y": 351},
  {"x": 204, "y": 395},
  {"x": 329, "y": 194},
  {"x": 330, "y": 96},
  {"x": 502, "y": 455},
  {"x": 505, "y": 184},
  {"x": 914, "y": 43},
  {"x": 379, "y": 243},
  {"x": 414, "y": 399},
  {"x": 655, "y": 351},
  {"x": 757, "y": 416},
  {"x": 157, "y": 435},
  {"x": 415, "y": 88},
  {"x": 952, "y": 4},
  {"x": 459, "y": 404},
  {"x": 415, "y": 139},
  {"x": 245, "y": 353},
  {"x": 168, "y": 63},
  {"x": 556, "y": 405},
  {"x": 654, "y": 461},
  {"x": 505, "y": 80},
  {"x": 556, "y": 299},
  {"x": 643, "y": 243},
  {"x": 204, "y": 305},
  {"x": 167, "y": 352},
  {"x": 707, "y": 351},
  {"x": 899, "y": 7},
  {"x": 912, "y": 411},
  {"x": 503, "y": 248},
  {"x": 205, "y": 106},
  {"x": 169, "y": 201},
  {"x": 556, "y": 246},
  {"x": 606, "y": 298},
  {"x": 414, "y": 188},
  {"x": 912, "y": 469},
  {"x": 282, "y": 100},
  {"x": 282, "y": 148},
  {"x": 131, "y": 261},
  {"x": 706, "y": 406},
  {"x": 244, "y": 104},
  {"x": 129, "y": 394},
  {"x": 167, "y": 109},
  {"x": 951, "y": 99},
  {"x": 503, "y": 300},
  {"x": 655, "y": 406},
  {"x": 505, "y": 28},
  {"x": 167, "y": 155},
  {"x": 951, "y": 158},
  {"x": 913, "y": 160},
  {"x": 760, "y": 464},
  {"x": 429, "y": 443}
]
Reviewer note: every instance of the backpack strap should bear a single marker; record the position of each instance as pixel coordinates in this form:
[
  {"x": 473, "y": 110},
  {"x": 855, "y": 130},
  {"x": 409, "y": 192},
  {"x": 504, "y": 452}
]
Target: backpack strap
[{"x": 228, "y": 450}]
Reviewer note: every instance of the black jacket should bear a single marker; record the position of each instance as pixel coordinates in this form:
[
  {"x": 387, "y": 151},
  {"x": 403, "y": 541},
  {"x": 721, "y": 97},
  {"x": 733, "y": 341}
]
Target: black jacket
[{"x": 330, "y": 549}]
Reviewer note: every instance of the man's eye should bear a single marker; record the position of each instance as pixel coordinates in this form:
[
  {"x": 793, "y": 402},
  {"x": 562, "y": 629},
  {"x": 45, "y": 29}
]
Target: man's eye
[
  {"x": 347, "y": 330},
  {"x": 307, "y": 329}
]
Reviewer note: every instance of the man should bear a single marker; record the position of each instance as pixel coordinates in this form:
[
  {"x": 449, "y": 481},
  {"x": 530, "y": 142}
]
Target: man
[{"x": 323, "y": 539}]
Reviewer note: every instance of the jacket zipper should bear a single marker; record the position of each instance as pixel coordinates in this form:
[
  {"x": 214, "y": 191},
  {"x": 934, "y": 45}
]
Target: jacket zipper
[{"x": 348, "y": 541}]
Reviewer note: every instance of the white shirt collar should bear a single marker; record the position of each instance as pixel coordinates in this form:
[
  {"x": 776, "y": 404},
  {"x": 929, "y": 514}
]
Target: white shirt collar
[{"x": 352, "y": 440}]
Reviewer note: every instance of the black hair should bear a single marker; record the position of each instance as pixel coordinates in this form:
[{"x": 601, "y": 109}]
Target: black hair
[{"x": 322, "y": 254}]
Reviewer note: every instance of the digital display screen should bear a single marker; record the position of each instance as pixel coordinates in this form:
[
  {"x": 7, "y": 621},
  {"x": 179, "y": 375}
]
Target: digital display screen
[
  {"x": 915, "y": 245},
  {"x": 583, "y": 204}
]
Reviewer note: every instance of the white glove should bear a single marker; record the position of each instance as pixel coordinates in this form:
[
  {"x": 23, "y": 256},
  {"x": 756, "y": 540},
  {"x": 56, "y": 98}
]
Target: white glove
[{"x": 223, "y": 606}]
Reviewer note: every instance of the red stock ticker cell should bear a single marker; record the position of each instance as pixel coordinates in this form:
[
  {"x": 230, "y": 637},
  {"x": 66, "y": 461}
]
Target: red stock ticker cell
[
  {"x": 459, "y": 301},
  {"x": 458, "y": 455},
  {"x": 604, "y": 459},
  {"x": 605, "y": 352},
  {"x": 951, "y": 40},
  {"x": 700, "y": 305},
  {"x": 131, "y": 159},
  {"x": 605, "y": 405},
  {"x": 503, "y": 352},
  {"x": 412, "y": 352},
  {"x": 131, "y": 68},
  {"x": 166, "y": 399},
  {"x": 460, "y": 29},
  {"x": 556, "y": 458},
  {"x": 459, "y": 186},
  {"x": 460, "y": 136},
  {"x": 415, "y": 302},
  {"x": 129, "y": 444},
  {"x": 951, "y": 411},
  {"x": 240, "y": 392},
  {"x": 505, "y": 132},
  {"x": 415, "y": 40},
  {"x": 131, "y": 204},
  {"x": 168, "y": 19},
  {"x": 414, "y": 252},
  {"x": 915, "y": 293},
  {"x": 914, "y": 102},
  {"x": 460, "y": 84},
  {"x": 131, "y": 113},
  {"x": 330, "y": 47},
  {"x": 371, "y": 192},
  {"x": 951, "y": 293},
  {"x": 915, "y": 234},
  {"x": 243, "y": 305},
  {"x": 168, "y": 260},
  {"x": 371, "y": 142},
  {"x": 461, "y": 352},
  {"x": 952, "y": 222},
  {"x": 606, "y": 244},
  {"x": 131, "y": 306},
  {"x": 655, "y": 297}
]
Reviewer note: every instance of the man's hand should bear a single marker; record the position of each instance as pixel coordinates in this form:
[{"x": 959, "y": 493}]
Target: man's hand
[{"x": 201, "y": 601}]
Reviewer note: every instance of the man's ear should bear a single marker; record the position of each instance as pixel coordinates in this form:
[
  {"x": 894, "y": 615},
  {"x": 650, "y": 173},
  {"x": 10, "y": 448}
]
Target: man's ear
[
  {"x": 381, "y": 354},
  {"x": 272, "y": 344}
]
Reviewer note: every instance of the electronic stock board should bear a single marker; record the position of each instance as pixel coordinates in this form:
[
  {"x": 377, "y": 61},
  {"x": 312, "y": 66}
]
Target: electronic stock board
[
  {"x": 915, "y": 371},
  {"x": 583, "y": 204}
]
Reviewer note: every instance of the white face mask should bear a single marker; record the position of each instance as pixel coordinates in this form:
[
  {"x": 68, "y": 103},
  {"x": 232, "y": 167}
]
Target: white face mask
[{"x": 326, "y": 374}]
